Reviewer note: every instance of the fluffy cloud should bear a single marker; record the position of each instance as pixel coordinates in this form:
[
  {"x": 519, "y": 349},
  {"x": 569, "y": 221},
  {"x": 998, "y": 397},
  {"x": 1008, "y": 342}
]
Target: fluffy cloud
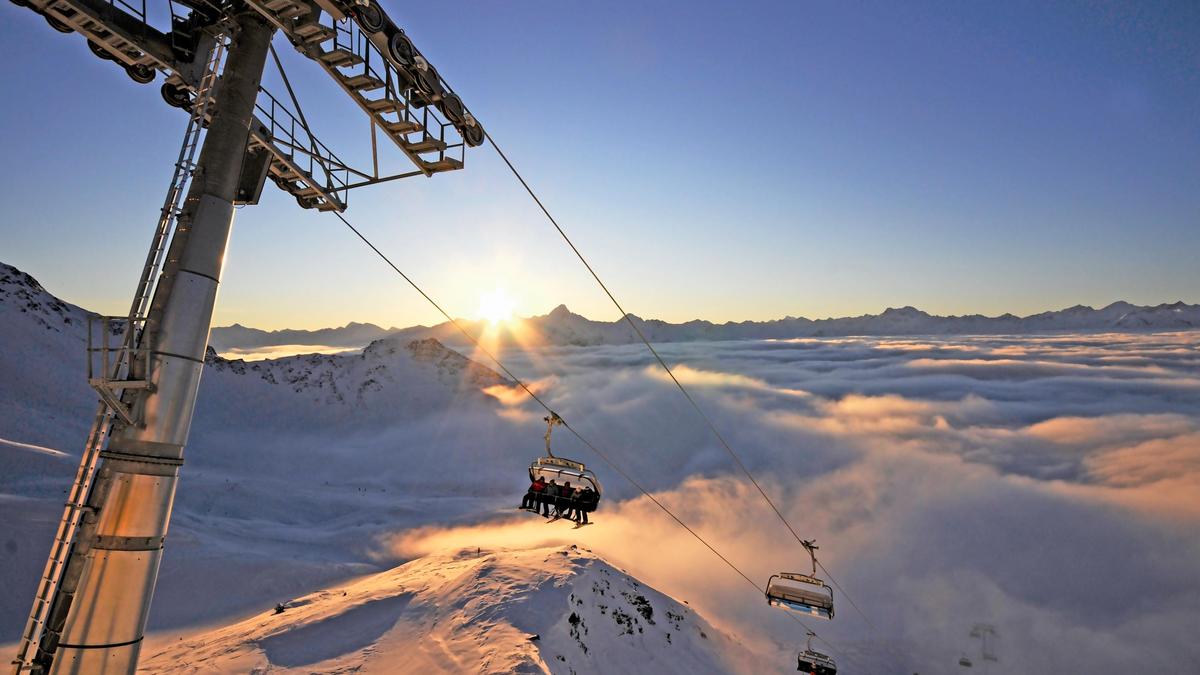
[{"x": 1047, "y": 485}]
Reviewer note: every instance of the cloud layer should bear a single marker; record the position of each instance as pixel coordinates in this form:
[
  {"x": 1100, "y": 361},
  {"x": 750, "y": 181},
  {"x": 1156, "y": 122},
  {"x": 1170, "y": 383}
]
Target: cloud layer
[{"x": 1046, "y": 485}]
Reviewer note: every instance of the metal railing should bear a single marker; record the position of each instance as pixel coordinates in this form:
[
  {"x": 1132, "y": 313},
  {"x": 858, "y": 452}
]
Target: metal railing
[
  {"x": 375, "y": 64},
  {"x": 295, "y": 139},
  {"x": 138, "y": 9},
  {"x": 113, "y": 367}
]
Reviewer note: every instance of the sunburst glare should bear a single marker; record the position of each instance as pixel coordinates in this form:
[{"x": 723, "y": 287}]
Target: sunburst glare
[{"x": 496, "y": 306}]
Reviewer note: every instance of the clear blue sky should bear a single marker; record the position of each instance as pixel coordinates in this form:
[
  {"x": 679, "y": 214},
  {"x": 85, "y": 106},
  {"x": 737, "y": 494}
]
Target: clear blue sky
[{"x": 743, "y": 160}]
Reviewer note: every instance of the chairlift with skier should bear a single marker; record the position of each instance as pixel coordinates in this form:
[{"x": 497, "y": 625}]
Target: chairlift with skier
[{"x": 563, "y": 470}]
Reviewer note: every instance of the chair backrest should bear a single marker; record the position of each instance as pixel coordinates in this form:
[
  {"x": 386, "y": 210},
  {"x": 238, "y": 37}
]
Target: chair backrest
[
  {"x": 564, "y": 473},
  {"x": 801, "y": 593}
]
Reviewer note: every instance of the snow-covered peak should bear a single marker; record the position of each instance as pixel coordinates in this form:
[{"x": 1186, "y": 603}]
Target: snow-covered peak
[
  {"x": 1118, "y": 307},
  {"x": 1178, "y": 315},
  {"x": 548, "y": 610},
  {"x": 422, "y": 372},
  {"x": 906, "y": 311},
  {"x": 450, "y": 364},
  {"x": 22, "y": 294}
]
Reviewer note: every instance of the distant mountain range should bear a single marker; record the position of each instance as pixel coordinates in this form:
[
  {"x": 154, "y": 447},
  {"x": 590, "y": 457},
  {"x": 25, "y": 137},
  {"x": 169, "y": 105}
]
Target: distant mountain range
[
  {"x": 352, "y": 334},
  {"x": 563, "y": 327}
]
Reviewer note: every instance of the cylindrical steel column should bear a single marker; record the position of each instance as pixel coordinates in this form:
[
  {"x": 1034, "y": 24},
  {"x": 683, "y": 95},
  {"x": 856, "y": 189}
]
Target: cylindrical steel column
[{"x": 100, "y": 613}]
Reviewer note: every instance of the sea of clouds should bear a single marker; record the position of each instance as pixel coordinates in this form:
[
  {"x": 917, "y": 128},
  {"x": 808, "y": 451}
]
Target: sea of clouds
[{"x": 1047, "y": 485}]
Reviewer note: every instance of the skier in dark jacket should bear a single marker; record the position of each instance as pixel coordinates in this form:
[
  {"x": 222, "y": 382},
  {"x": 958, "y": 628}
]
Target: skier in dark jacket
[
  {"x": 572, "y": 511},
  {"x": 563, "y": 504},
  {"x": 587, "y": 501}
]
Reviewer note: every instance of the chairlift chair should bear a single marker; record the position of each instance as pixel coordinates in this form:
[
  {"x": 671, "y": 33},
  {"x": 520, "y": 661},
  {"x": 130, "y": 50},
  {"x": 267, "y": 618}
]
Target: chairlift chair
[
  {"x": 563, "y": 470},
  {"x": 804, "y": 593},
  {"x": 813, "y": 661},
  {"x": 983, "y": 631},
  {"x": 964, "y": 661}
]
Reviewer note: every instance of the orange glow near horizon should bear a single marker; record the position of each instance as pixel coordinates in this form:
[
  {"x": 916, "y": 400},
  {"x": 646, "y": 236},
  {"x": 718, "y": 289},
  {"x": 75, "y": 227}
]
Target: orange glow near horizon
[{"x": 502, "y": 329}]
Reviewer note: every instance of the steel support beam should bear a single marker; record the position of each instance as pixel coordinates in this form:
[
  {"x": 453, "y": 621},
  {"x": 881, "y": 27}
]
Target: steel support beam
[{"x": 99, "y": 616}]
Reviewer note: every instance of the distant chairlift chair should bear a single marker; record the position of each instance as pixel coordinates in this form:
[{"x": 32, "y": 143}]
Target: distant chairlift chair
[
  {"x": 803, "y": 593},
  {"x": 813, "y": 661}
]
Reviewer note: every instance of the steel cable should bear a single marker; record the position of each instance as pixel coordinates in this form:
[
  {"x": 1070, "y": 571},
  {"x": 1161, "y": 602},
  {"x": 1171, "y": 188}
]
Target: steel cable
[
  {"x": 599, "y": 453},
  {"x": 632, "y": 324}
]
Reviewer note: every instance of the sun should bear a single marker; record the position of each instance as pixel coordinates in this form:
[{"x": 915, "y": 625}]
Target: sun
[{"x": 496, "y": 306}]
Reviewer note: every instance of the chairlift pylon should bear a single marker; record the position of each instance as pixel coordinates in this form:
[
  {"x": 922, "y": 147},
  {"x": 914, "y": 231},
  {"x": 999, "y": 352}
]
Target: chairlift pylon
[
  {"x": 814, "y": 662},
  {"x": 804, "y": 593}
]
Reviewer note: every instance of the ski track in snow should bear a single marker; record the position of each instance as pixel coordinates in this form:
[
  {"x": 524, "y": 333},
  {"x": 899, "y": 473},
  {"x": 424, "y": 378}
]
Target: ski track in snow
[{"x": 36, "y": 448}]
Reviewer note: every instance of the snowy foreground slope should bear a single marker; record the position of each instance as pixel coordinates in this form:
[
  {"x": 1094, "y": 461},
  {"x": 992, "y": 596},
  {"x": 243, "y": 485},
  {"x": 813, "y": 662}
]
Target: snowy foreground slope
[{"x": 547, "y": 610}]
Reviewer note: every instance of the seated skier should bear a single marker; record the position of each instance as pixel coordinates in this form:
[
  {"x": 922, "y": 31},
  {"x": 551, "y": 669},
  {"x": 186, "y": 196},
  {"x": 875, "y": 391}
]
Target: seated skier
[
  {"x": 573, "y": 504},
  {"x": 531, "y": 496},
  {"x": 549, "y": 498},
  {"x": 587, "y": 502},
  {"x": 563, "y": 504}
]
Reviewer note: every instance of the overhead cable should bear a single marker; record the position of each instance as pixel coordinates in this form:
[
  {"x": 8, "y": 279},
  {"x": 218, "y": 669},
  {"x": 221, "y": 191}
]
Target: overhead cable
[
  {"x": 599, "y": 453},
  {"x": 628, "y": 318}
]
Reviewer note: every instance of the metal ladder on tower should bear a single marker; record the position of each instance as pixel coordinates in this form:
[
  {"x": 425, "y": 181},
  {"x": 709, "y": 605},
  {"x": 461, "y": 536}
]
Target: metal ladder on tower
[{"x": 111, "y": 381}]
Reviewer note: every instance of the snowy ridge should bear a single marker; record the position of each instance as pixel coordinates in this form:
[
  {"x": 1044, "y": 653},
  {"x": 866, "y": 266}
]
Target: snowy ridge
[
  {"x": 42, "y": 368},
  {"x": 22, "y": 294},
  {"x": 372, "y": 374},
  {"x": 548, "y": 610},
  {"x": 397, "y": 377}
]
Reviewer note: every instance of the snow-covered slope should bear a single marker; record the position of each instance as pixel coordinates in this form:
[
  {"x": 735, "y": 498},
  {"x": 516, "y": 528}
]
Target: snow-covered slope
[
  {"x": 341, "y": 379},
  {"x": 22, "y": 294},
  {"x": 550, "y": 610},
  {"x": 42, "y": 367},
  {"x": 563, "y": 327},
  {"x": 42, "y": 378},
  {"x": 389, "y": 378}
]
